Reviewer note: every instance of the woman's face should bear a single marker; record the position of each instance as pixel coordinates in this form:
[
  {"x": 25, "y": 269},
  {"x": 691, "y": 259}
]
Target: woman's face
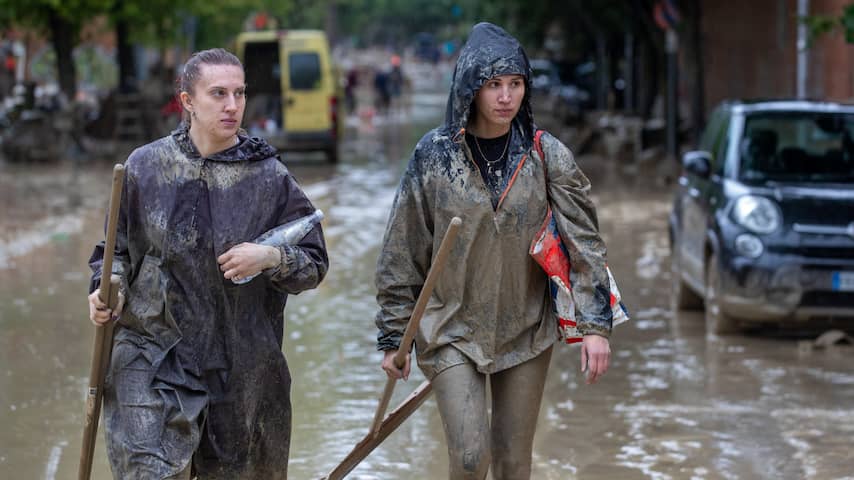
[
  {"x": 217, "y": 103},
  {"x": 497, "y": 103}
]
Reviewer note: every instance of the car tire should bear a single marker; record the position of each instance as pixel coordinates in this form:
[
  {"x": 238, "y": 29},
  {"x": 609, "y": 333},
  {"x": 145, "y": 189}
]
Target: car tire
[
  {"x": 717, "y": 321},
  {"x": 681, "y": 295}
]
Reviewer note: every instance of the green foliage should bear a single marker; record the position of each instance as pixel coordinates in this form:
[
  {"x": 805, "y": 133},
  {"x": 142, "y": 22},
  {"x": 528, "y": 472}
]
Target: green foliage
[
  {"x": 820, "y": 25},
  {"x": 847, "y": 22},
  {"x": 91, "y": 65},
  {"x": 34, "y": 13},
  {"x": 199, "y": 24}
]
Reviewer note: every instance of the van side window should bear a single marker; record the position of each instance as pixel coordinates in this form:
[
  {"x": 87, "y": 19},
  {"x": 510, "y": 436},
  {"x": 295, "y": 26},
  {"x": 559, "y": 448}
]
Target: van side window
[{"x": 304, "y": 71}]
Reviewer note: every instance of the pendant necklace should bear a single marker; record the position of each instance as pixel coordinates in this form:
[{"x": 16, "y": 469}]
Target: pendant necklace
[{"x": 490, "y": 163}]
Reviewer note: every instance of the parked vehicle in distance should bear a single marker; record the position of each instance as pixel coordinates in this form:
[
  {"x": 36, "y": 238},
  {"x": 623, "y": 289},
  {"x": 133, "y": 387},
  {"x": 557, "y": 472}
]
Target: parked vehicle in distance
[
  {"x": 293, "y": 97},
  {"x": 544, "y": 75},
  {"x": 762, "y": 221},
  {"x": 562, "y": 90},
  {"x": 570, "y": 101}
]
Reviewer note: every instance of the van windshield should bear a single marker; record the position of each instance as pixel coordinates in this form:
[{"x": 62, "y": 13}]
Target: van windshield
[
  {"x": 797, "y": 147},
  {"x": 305, "y": 71}
]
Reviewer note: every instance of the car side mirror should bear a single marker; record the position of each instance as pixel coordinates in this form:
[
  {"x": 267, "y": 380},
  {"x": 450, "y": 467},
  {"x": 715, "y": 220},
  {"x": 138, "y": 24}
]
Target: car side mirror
[{"x": 698, "y": 162}]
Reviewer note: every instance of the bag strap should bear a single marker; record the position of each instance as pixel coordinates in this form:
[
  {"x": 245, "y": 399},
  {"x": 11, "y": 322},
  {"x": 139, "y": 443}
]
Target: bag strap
[{"x": 538, "y": 144}]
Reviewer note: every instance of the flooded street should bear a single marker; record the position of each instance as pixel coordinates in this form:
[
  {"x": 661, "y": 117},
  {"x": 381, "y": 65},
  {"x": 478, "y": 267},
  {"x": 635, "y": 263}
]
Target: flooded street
[{"x": 674, "y": 405}]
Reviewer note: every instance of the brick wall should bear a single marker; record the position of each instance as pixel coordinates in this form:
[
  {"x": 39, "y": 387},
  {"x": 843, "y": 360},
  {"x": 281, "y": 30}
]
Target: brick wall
[
  {"x": 749, "y": 48},
  {"x": 750, "y": 51},
  {"x": 831, "y": 73}
]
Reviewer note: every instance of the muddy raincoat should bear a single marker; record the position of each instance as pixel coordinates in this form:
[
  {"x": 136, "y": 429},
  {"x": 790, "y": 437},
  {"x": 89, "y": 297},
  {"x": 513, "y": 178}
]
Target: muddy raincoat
[
  {"x": 490, "y": 305},
  {"x": 197, "y": 369}
]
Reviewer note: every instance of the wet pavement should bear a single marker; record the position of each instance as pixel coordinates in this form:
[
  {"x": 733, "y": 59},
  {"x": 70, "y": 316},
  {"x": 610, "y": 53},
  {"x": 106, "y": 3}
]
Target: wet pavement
[{"x": 675, "y": 405}]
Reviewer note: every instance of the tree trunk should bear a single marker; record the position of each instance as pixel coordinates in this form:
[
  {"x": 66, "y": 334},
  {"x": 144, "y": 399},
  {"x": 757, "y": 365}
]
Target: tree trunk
[
  {"x": 649, "y": 79},
  {"x": 695, "y": 73},
  {"x": 650, "y": 53},
  {"x": 332, "y": 22},
  {"x": 63, "y": 38},
  {"x": 125, "y": 54},
  {"x": 602, "y": 74}
]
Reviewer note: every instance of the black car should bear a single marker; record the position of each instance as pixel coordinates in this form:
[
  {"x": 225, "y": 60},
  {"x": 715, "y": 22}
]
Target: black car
[{"x": 762, "y": 224}]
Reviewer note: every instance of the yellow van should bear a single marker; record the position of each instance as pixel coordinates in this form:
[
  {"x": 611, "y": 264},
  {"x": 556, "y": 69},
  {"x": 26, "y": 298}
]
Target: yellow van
[{"x": 292, "y": 97}]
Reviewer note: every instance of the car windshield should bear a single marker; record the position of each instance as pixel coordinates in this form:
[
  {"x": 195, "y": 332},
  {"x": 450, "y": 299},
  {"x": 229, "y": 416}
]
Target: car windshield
[{"x": 798, "y": 147}]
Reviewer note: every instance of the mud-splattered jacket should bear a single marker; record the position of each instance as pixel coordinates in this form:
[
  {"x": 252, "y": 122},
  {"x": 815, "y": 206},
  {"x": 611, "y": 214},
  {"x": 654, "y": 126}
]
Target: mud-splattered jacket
[
  {"x": 214, "y": 349},
  {"x": 491, "y": 301}
]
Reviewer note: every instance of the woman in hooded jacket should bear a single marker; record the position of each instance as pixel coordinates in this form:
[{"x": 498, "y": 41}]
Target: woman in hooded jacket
[
  {"x": 197, "y": 380},
  {"x": 490, "y": 318}
]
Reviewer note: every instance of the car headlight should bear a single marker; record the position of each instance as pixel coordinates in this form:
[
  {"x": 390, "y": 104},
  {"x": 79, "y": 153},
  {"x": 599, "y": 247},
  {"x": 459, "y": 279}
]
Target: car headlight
[
  {"x": 757, "y": 214},
  {"x": 749, "y": 245}
]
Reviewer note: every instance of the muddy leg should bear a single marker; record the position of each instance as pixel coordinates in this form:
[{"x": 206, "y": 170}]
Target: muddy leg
[
  {"x": 142, "y": 443},
  {"x": 516, "y": 396},
  {"x": 461, "y": 397}
]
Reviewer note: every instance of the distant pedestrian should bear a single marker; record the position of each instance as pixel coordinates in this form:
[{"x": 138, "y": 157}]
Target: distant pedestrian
[
  {"x": 7, "y": 71},
  {"x": 197, "y": 381},
  {"x": 382, "y": 91},
  {"x": 351, "y": 82},
  {"x": 395, "y": 81},
  {"x": 490, "y": 317}
]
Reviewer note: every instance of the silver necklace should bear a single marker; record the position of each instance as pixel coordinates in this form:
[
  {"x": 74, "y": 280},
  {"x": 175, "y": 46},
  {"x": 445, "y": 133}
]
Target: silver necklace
[{"x": 489, "y": 162}]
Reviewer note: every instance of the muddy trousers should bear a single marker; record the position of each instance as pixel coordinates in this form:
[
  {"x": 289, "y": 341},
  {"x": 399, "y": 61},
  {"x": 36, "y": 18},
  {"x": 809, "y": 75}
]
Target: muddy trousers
[{"x": 506, "y": 440}]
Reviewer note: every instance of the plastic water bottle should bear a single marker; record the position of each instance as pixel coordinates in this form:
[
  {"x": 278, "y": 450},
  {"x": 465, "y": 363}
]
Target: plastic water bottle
[{"x": 287, "y": 234}]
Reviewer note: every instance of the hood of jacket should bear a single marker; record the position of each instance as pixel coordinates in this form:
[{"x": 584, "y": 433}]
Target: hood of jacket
[
  {"x": 488, "y": 52},
  {"x": 247, "y": 148}
]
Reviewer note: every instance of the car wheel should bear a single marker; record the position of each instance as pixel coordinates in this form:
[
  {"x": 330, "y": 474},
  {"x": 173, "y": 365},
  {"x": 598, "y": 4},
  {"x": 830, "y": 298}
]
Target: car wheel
[
  {"x": 717, "y": 322},
  {"x": 681, "y": 295}
]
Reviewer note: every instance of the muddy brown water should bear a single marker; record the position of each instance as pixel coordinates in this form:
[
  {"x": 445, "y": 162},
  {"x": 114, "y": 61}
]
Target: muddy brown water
[{"x": 674, "y": 404}]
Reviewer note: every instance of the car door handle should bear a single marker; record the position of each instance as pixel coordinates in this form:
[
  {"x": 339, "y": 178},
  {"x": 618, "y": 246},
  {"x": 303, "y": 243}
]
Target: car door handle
[
  {"x": 289, "y": 101},
  {"x": 694, "y": 192}
]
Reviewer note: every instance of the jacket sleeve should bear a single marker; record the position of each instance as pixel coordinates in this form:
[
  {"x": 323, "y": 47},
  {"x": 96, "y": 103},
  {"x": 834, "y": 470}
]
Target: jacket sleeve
[
  {"x": 404, "y": 259},
  {"x": 302, "y": 266},
  {"x": 578, "y": 225}
]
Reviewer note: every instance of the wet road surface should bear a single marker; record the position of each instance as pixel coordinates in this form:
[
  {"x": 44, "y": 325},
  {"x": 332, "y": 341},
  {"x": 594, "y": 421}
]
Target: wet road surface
[{"x": 674, "y": 405}]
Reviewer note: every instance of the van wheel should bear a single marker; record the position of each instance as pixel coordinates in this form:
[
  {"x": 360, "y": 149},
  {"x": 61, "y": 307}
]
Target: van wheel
[
  {"x": 681, "y": 295},
  {"x": 332, "y": 155},
  {"x": 717, "y": 322}
]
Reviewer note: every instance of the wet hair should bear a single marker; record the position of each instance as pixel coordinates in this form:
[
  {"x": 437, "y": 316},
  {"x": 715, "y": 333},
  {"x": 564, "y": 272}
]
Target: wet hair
[{"x": 192, "y": 70}]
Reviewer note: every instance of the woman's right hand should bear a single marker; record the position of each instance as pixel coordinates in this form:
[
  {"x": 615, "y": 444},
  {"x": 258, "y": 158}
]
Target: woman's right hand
[
  {"x": 99, "y": 314},
  {"x": 391, "y": 369}
]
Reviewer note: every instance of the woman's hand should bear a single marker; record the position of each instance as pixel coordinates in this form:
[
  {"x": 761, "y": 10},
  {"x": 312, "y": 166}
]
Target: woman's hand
[
  {"x": 595, "y": 355},
  {"x": 391, "y": 369},
  {"x": 247, "y": 259},
  {"x": 99, "y": 314}
]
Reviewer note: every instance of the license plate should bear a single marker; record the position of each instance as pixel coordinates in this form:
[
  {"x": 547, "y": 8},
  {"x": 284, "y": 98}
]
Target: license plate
[{"x": 843, "y": 281}]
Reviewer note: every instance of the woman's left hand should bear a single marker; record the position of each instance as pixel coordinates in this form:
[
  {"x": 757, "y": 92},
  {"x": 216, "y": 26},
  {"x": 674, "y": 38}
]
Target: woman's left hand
[
  {"x": 247, "y": 259},
  {"x": 595, "y": 355}
]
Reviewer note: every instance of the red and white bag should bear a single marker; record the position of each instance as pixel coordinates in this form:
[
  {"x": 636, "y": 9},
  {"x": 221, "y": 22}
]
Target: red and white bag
[{"x": 548, "y": 250}]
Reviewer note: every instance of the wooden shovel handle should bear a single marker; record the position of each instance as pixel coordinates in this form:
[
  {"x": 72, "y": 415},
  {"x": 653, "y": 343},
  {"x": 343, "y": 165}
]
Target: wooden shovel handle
[
  {"x": 373, "y": 439},
  {"x": 436, "y": 268},
  {"x": 108, "y": 292}
]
